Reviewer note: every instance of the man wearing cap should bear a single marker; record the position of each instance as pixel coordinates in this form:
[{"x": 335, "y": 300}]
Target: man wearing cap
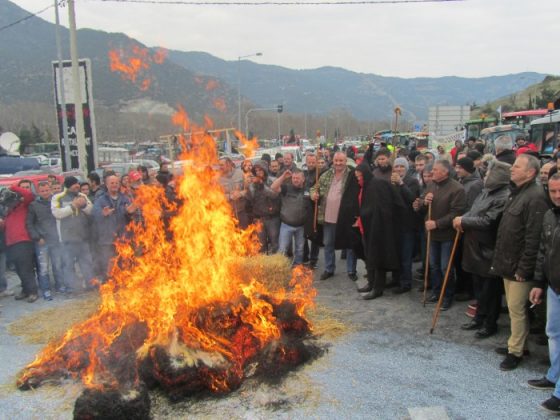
[
  {"x": 71, "y": 210},
  {"x": 111, "y": 213},
  {"x": 472, "y": 183}
]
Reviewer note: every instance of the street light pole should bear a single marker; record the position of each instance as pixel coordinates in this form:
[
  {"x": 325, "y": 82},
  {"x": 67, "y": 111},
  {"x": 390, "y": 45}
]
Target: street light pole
[{"x": 241, "y": 57}]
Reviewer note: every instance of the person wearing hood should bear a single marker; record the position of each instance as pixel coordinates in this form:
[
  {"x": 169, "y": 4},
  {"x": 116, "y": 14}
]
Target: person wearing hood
[
  {"x": 480, "y": 228},
  {"x": 547, "y": 273},
  {"x": 71, "y": 210},
  {"x": 266, "y": 207}
]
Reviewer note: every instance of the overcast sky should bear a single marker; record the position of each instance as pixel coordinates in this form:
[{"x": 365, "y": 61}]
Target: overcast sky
[{"x": 472, "y": 38}]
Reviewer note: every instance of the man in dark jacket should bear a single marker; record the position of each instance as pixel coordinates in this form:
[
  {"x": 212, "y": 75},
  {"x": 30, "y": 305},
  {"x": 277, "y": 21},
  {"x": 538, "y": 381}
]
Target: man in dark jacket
[
  {"x": 409, "y": 190},
  {"x": 472, "y": 183},
  {"x": 516, "y": 250},
  {"x": 41, "y": 226},
  {"x": 547, "y": 273},
  {"x": 480, "y": 227},
  {"x": 266, "y": 208},
  {"x": 111, "y": 213},
  {"x": 292, "y": 213},
  {"x": 448, "y": 201}
]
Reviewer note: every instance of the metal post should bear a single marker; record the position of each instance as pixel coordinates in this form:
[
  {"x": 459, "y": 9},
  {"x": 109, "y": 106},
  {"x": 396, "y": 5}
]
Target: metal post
[
  {"x": 78, "y": 103},
  {"x": 279, "y": 130},
  {"x": 239, "y": 93},
  {"x": 67, "y": 160},
  {"x": 259, "y": 54}
]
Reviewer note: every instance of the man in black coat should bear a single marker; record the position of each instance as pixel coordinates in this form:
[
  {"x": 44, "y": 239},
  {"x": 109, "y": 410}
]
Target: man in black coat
[
  {"x": 380, "y": 213},
  {"x": 516, "y": 250},
  {"x": 409, "y": 190},
  {"x": 480, "y": 227}
]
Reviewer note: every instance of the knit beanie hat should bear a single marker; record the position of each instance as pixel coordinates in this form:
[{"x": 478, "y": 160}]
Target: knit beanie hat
[
  {"x": 70, "y": 180},
  {"x": 467, "y": 164},
  {"x": 402, "y": 162}
]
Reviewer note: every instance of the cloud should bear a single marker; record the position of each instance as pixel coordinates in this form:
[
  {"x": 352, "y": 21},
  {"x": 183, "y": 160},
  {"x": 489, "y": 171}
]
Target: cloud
[{"x": 472, "y": 38}]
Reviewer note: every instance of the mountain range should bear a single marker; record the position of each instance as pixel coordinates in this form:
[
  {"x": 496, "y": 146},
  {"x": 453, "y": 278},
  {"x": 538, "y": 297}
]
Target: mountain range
[{"x": 207, "y": 84}]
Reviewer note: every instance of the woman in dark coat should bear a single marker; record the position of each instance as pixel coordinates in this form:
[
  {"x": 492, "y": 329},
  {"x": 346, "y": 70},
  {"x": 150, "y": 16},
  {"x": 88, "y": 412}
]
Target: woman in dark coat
[{"x": 380, "y": 212}]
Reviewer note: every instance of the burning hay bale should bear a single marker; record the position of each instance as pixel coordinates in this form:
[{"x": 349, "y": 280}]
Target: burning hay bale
[{"x": 188, "y": 307}]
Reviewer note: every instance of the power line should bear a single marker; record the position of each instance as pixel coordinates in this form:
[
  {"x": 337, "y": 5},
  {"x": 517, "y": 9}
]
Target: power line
[
  {"x": 26, "y": 18},
  {"x": 278, "y": 3}
]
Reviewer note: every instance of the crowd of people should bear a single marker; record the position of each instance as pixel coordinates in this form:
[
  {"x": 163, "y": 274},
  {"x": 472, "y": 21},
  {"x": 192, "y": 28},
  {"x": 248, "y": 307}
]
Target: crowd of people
[
  {"x": 68, "y": 230},
  {"x": 486, "y": 223}
]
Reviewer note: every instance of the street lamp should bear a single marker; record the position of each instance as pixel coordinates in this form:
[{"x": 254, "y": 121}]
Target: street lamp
[{"x": 241, "y": 57}]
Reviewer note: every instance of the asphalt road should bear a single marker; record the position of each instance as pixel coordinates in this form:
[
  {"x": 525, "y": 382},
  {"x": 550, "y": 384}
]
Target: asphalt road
[{"x": 387, "y": 366}]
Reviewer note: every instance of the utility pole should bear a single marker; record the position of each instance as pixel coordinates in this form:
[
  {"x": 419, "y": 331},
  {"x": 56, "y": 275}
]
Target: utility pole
[
  {"x": 67, "y": 160},
  {"x": 78, "y": 102}
]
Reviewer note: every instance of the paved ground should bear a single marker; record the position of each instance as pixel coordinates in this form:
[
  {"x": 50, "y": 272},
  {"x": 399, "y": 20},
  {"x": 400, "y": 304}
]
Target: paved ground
[{"x": 387, "y": 367}]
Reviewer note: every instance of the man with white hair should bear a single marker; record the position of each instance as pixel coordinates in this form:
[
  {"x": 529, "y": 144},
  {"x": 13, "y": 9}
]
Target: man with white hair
[
  {"x": 515, "y": 253},
  {"x": 504, "y": 149},
  {"x": 334, "y": 184}
]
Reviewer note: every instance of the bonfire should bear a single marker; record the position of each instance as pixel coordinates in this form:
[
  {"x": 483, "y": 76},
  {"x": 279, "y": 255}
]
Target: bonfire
[{"x": 178, "y": 312}]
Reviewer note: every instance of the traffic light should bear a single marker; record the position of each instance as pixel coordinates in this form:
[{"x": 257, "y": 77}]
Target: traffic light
[{"x": 280, "y": 108}]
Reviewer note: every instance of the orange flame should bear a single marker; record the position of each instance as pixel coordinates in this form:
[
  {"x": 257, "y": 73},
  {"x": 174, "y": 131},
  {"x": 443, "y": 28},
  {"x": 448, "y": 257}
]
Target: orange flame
[
  {"x": 172, "y": 272},
  {"x": 247, "y": 147},
  {"x": 212, "y": 85},
  {"x": 220, "y": 104},
  {"x": 134, "y": 64}
]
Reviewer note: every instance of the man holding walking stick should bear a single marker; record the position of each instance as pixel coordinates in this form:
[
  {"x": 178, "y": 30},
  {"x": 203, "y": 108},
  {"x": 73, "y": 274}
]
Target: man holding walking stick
[{"x": 448, "y": 201}]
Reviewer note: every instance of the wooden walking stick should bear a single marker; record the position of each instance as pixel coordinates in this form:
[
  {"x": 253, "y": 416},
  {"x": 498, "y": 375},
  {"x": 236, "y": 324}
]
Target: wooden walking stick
[
  {"x": 316, "y": 212},
  {"x": 427, "y": 261},
  {"x": 449, "y": 265}
]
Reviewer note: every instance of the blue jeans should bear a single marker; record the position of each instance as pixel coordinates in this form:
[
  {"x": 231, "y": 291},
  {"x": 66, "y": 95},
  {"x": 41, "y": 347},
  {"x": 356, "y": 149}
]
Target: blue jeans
[
  {"x": 3, "y": 280},
  {"x": 351, "y": 261},
  {"x": 106, "y": 253},
  {"x": 329, "y": 231},
  {"x": 269, "y": 234},
  {"x": 286, "y": 234},
  {"x": 406, "y": 255},
  {"x": 440, "y": 251},
  {"x": 77, "y": 251},
  {"x": 44, "y": 253},
  {"x": 553, "y": 333}
]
